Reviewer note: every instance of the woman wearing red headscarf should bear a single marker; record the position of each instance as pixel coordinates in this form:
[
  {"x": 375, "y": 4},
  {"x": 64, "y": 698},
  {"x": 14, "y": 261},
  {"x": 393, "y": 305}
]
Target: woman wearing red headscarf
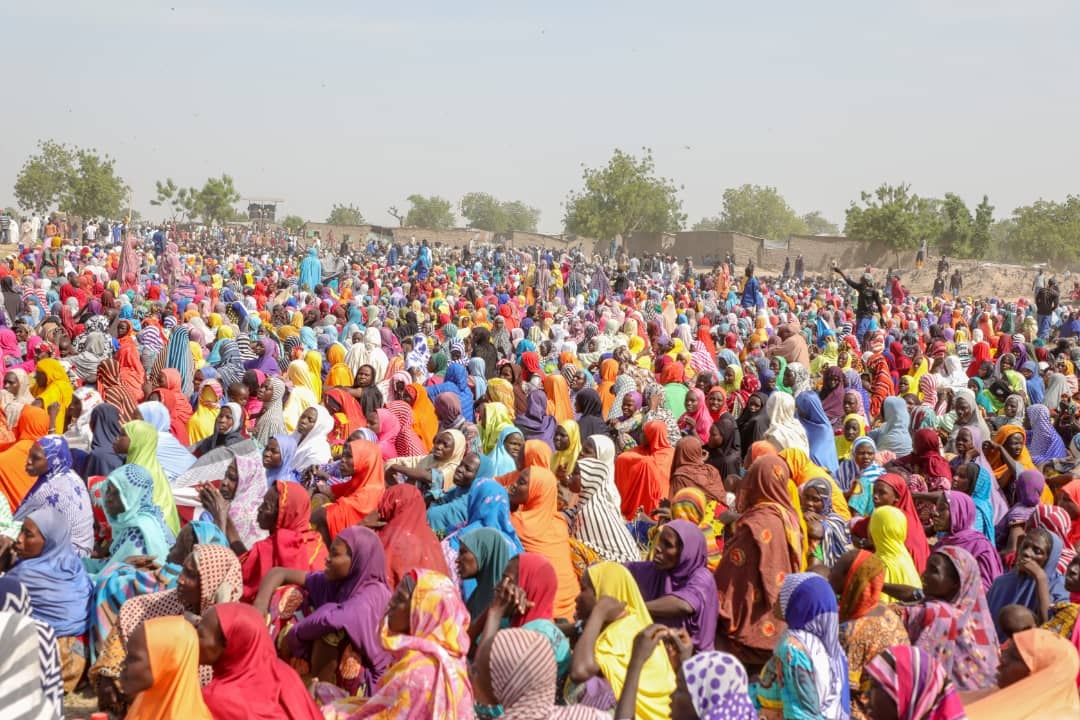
[{"x": 643, "y": 474}]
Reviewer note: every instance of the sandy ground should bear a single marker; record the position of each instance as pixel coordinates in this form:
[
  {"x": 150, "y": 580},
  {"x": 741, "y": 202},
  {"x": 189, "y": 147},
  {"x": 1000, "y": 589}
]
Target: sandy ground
[{"x": 80, "y": 705}]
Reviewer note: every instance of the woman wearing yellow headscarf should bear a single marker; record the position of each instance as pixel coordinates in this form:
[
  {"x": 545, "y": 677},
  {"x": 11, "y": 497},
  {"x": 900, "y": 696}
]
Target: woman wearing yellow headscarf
[
  {"x": 197, "y": 360},
  {"x": 888, "y": 528},
  {"x": 53, "y": 386},
  {"x": 172, "y": 645},
  {"x": 607, "y": 640},
  {"x": 843, "y": 443},
  {"x": 563, "y": 460},
  {"x": 313, "y": 358},
  {"x": 204, "y": 418},
  {"x": 497, "y": 417},
  {"x": 500, "y": 390},
  {"x": 803, "y": 470},
  {"x": 302, "y": 396}
]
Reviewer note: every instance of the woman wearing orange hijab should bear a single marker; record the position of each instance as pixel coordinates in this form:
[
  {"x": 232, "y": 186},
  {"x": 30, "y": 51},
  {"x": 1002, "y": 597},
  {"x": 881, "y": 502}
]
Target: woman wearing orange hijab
[
  {"x": 609, "y": 370},
  {"x": 162, "y": 671},
  {"x": 558, "y": 395},
  {"x": 643, "y": 474},
  {"x": 362, "y": 462},
  {"x": 542, "y": 530},
  {"x": 33, "y": 424}
]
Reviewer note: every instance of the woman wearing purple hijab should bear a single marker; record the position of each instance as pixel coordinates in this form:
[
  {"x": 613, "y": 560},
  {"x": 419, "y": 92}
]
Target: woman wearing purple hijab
[
  {"x": 267, "y": 360},
  {"x": 678, "y": 588},
  {"x": 350, "y": 596},
  {"x": 956, "y": 518},
  {"x": 536, "y": 423}
]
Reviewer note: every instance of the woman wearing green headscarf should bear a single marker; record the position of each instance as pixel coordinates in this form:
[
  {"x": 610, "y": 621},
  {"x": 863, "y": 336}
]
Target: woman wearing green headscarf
[{"x": 139, "y": 442}]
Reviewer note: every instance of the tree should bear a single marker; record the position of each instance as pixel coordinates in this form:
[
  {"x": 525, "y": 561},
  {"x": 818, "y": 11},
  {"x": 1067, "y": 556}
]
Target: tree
[
  {"x": 485, "y": 212},
  {"x": 817, "y": 224},
  {"x": 891, "y": 216},
  {"x": 74, "y": 180},
  {"x": 981, "y": 237},
  {"x": 393, "y": 212},
  {"x": 345, "y": 215},
  {"x": 1046, "y": 231},
  {"x": 179, "y": 199},
  {"x": 431, "y": 212},
  {"x": 756, "y": 210},
  {"x": 44, "y": 176},
  {"x": 622, "y": 198},
  {"x": 214, "y": 202},
  {"x": 292, "y": 224},
  {"x": 955, "y": 237}
]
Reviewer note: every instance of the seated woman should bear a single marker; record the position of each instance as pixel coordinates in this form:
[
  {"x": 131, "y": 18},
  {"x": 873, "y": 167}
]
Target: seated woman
[
  {"x": 249, "y": 679},
  {"x": 482, "y": 558},
  {"x": 748, "y": 580},
  {"x": 643, "y": 475},
  {"x": 142, "y": 575},
  {"x": 227, "y": 430},
  {"x": 284, "y": 513},
  {"x": 525, "y": 597},
  {"x": 542, "y": 529},
  {"x": 451, "y": 509},
  {"x": 138, "y": 442},
  {"x": 362, "y": 473},
  {"x": 515, "y": 670},
  {"x": 892, "y": 490},
  {"x": 312, "y": 447},
  {"x": 867, "y": 625},
  {"x": 136, "y": 523},
  {"x": 1037, "y": 678},
  {"x": 235, "y": 506},
  {"x": 816, "y": 496},
  {"x": 161, "y": 672},
  {"x": 807, "y": 676},
  {"x": 613, "y": 612},
  {"x": 348, "y": 599},
  {"x": 104, "y": 428},
  {"x": 201, "y": 424},
  {"x": 210, "y": 574},
  {"x": 596, "y": 524},
  {"x": 888, "y": 528},
  {"x": 951, "y": 621},
  {"x": 432, "y": 473},
  {"x": 43, "y": 560},
  {"x": 803, "y": 471},
  {"x": 956, "y": 517},
  {"x": 277, "y": 459},
  {"x": 57, "y": 486},
  {"x": 907, "y": 682},
  {"x": 425, "y": 633},
  {"x": 30, "y": 664},
  {"x": 678, "y": 589},
  {"x": 402, "y": 528},
  {"x": 1034, "y": 583},
  {"x": 488, "y": 505}
]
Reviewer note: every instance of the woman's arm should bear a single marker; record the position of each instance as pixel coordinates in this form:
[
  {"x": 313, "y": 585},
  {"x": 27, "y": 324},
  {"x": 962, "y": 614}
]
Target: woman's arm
[
  {"x": 903, "y": 593},
  {"x": 669, "y": 607},
  {"x": 583, "y": 663},
  {"x": 272, "y": 581}
]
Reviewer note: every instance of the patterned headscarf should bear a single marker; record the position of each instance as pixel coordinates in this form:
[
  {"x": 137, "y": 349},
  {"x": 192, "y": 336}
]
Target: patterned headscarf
[
  {"x": 916, "y": 683},
  {"x": 809, "y": 606},
  {"x": 717, "y": 683}
]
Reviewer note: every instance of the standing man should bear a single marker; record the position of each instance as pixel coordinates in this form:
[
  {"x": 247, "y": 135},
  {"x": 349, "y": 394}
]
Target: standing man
[
  {"x": 751, "y": 289},
  {"x": 956, "y": 283},
  {"x": 920, "y": 256},
  {"x": 800, "y": 268},
  {"x": 868, "y": 299},
  {"x": 1046, "y": 302}
]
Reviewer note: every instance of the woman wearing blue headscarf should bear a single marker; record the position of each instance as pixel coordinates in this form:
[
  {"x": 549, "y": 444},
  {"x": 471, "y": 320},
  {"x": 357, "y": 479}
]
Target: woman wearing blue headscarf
[
  {"x": 456, "y": 381},
  {"x": 894, "y": 434},
  {"x": 819, "y": 432},
  {"x": 310, "y": 269},
  {"x": 488, "y": 506},
  {"x": 502, "y": 460},
  {"x": 58, "y": 584},
  {"x": 137, "y": 523},
  {"x": 807, "y": 676},
  {"x": 277, "y": 459}
]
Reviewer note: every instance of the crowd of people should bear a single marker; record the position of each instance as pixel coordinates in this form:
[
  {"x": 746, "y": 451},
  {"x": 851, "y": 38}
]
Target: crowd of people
[{"x": 401, "y": 481}]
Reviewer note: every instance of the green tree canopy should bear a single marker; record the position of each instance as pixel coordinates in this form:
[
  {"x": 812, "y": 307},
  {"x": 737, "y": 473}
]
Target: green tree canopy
[
  {"x": 818, "y": 224},
  {"x": 756, "y": 210},
  {"x": 432, "y": 212},
  {"x": 71, "y": 179},
  {"x": 292, "y": 224},
  {"x": 981, "y": 237},
  {"x": 483, "y": 211},
  {"x": 345, "y": 215},
  {"x": 622, "y": 198},
  {"x": 1046, "y": 231},
  {"x": 894, "y": 217},
  {"x": 214, "y": 201},
  {"x": 180, "y": 200}
]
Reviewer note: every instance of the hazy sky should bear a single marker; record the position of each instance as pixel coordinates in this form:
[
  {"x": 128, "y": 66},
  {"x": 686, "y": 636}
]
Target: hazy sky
[{"x": 319, "y": 102}]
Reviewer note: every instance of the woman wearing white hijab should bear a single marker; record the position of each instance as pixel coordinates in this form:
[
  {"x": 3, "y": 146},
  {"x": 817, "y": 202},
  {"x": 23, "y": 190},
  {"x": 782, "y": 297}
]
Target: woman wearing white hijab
[
  {"x": 785, "y": 431},
  {"x": 313, "y": 448}
]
